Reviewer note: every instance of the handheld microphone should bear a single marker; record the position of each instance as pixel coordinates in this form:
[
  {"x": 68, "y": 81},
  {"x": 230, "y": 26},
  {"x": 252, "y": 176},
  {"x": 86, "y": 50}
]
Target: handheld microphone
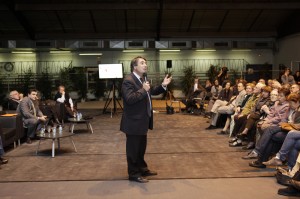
[{"x": 145, "y": 77}]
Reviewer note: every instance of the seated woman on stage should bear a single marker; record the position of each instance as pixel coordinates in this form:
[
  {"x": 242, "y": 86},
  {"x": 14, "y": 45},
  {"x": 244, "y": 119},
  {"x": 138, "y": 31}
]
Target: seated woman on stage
[{"x": 63, "y": 97}]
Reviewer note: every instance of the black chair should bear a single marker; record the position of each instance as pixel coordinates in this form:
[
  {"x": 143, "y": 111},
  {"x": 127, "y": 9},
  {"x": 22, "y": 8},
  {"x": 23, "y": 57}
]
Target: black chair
[{"x": 11, "y": 130}]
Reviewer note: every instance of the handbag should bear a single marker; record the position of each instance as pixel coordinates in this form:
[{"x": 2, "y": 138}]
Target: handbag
[{"x": 170, "y": 109}]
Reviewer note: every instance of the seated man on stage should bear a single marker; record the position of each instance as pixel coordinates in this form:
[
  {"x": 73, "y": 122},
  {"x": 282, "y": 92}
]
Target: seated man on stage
[
  {"x": 2, "y": 160},
  {"x": 64, "y": 97},
  {"x": 194, "y": 92},
  {"x": 31, "y": 114}
]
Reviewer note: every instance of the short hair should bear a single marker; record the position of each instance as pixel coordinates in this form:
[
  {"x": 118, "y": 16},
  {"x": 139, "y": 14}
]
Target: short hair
[
  {"x": 13, "y": 92},
  {"x": 32, "y": 90},
  {"x": 267, "y": 89},
  {"x": 284, "y": 91},
  {"x": 251, "y": 85},
  {"x": 293, "y": 97},
  {"x": 134, "y": 62},
  {"x": 62, "y": 86}
]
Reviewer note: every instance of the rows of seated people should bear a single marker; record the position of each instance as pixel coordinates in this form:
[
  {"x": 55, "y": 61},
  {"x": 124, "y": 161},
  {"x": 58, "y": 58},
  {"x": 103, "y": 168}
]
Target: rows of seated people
[{"x": 263, "y": 118}]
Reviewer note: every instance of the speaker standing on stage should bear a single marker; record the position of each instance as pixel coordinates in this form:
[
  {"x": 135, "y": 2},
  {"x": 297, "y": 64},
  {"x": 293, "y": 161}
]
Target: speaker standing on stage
[{"x": 137, "y": 117}]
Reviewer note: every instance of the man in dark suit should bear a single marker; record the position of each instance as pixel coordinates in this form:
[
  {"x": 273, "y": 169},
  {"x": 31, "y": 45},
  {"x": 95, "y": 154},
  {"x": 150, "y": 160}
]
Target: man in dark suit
[
  {"x": 31, "y": 114},
  {"x": 137, "y": 117}
]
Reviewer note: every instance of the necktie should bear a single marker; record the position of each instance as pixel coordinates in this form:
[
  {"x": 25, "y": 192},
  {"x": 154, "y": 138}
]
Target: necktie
[
  {"x": 34, "y": 111},
  {"x": 149, "y": 105}
]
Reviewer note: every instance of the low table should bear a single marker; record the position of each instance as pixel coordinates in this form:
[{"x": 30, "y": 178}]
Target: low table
[
  {"x": 57, "y": 136},
  {"x": 74, "y": 121}
]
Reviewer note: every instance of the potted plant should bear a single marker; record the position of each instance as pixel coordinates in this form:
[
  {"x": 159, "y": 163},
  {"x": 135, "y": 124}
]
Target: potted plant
[
  {"x": 187, "y": 79},
  {"x": 44, "y": 85}
]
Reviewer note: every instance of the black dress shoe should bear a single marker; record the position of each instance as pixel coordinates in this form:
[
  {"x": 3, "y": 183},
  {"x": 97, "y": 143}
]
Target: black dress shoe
[
  {"x": 237, "y": 143},
  {"x": 149, "y": 173},
  {"x": 233, "y": 140},
  {"x": 211, "y": 127},
  {"x": 289, "y": 191},
  {"x": 257, "y": 164},
  {"x": 3, "y": 160},
  {"x": 139, "y": 179}
]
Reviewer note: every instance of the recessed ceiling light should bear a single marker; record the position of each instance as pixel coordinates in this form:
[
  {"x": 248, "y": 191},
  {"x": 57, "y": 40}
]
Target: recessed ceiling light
[
  {"x": 133, "y": 51},
  {"x": 21, "y": 52},
  {"x": 90, "y": 54},
  {"x": 59, "y": 51},
  {"x": 169, "y": 50}
]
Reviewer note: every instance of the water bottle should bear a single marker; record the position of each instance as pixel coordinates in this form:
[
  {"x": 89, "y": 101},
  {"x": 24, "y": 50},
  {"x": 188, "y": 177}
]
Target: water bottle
[
  {"x": 54, "y": 131},
  {"x": 60, "y": 129},
  {"x": 78, "y": 116}
]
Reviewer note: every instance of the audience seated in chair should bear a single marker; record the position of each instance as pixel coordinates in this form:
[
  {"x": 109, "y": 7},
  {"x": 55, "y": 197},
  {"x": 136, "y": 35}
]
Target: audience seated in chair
[
  {"x": 270, "y": 129},
  {"x": 63, "y": 97},
  {"x": 13, "y": 100},
  {"x": 215, "y": 91},
  {"x": 31, "y": 114},
  {"x": 229, "y": 108}
]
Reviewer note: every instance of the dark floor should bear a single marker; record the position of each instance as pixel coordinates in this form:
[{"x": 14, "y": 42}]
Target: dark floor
[{"x": 192, "y": 163}]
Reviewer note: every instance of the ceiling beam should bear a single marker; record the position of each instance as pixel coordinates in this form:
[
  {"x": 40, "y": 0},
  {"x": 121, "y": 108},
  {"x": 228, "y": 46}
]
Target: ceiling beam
[
  {"x": 289, "y": 26},
  {"x": 156, "y": 6},
  {"x": 255, "y": 20},
  {"x": 151, "y": 35},
  {"x": 93, "y": 21},
  {"x": 126, "y": 20},
  {"x": 191, "y": 21},
  {"x": 60, "y": 21},
  {"x": 158, "y": 20},
  {"x": 223, "y": 20}
]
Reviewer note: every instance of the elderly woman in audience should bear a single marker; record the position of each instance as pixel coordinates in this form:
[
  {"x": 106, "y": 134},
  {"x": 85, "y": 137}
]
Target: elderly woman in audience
[
  {"x": 215, "y": 91},
  {"x": 270, "y": 82},
  {"x": 287, "y": 78},
  {"x": 238, "y": 109},
  {"x": 245, "y": 123},
  {"x": 271, "y": 128},
  {"x": 276, "y": 84},
  {"x": 291, "y": 145},
  {"x": 229, "y": 108},
  {"x": 223, "y": 98}
]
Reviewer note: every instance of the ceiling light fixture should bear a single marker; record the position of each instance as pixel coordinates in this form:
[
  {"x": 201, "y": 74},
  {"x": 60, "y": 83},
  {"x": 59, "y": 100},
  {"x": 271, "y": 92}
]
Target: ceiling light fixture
[
  {"x": 21, "y": 52},
  {"x": 59, "y": 51},
  {"x": 90, "y": 54},
  {"x": 206, "y": 50},
  {"x": 169, "y": 50},
  {"x": 134, "y": 51}
]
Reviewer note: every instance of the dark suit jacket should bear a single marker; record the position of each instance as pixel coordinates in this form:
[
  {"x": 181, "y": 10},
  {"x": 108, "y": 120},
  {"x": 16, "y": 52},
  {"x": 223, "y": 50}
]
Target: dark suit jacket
[
  {"x": 26, "y": 110},
  {"x": 135, "y": 119}
]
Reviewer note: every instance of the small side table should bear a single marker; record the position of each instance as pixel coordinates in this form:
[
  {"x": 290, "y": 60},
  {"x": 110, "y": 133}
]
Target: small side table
[
  {"x": 57, "y": 136},
  {"x": 74, "y": 121}
]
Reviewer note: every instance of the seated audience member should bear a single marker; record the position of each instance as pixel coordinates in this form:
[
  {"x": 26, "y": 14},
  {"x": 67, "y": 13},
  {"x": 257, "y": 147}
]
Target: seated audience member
[
  {"x": 262, "y": 81},
  {"x": 215, "y": 91},
  {"x": 238, "y": 109},
  {"x": 13, "y": 100},
  {"x": 295, "y": 88},
  {"x": 270, "y": 83},
  {"x": 31, "y": 114},
  {"x": 286, "y": 86},
  {"x": 246, "y": 123},
  {"x": 229, "y": 108},
  {"x": 2, "y": 160},
  {"x": 246, "y": 110},
  {"x": 287, "y": 78},
  {"x": 297, "y": 77},
  {"x": 194, "y": 92},
  {"x": 234, "y": 88},
  {"x": 63, "y": 97},
  {"x": 279, "y": 113},
  {"x": 223, "y": 98},
  {"x": 208, "y": 86},
  {"x": 223, "y": 76},
  {"x": 291, "y": 145},
  {"x": 276, "y": 84}
]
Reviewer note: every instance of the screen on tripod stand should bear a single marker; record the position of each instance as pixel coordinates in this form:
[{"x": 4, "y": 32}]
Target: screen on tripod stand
[{"x": 110, "y": 71}]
